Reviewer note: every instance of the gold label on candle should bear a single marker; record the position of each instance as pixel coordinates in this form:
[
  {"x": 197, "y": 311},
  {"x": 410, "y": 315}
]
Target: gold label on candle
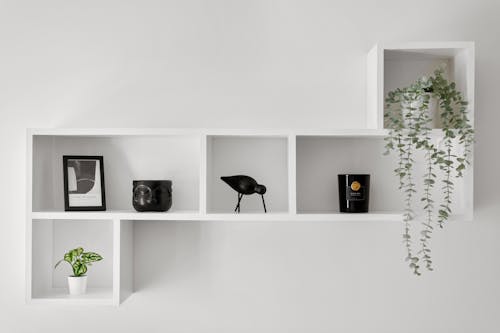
[{"x": 355, "y": 186}]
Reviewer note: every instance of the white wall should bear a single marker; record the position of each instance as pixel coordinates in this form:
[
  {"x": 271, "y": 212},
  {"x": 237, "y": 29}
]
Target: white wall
[{"x": 246, "y": 64}]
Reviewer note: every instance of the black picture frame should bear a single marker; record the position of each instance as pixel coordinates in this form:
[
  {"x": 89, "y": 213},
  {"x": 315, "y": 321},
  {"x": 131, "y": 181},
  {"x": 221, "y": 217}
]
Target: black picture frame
[{"x": 68, "y": 159}]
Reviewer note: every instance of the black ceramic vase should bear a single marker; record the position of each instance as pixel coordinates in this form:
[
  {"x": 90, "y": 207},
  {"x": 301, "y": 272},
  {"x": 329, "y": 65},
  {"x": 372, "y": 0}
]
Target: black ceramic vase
[
  {"x": 354, "y": 193},
  {"x": 152, "y": 195}
]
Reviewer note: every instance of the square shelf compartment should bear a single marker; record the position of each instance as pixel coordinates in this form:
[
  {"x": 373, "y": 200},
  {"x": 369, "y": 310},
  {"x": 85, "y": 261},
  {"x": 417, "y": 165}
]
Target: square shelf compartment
[
  {"x": 264, "y": 158},
  {"x": 51, "y": 239},
  {"x": 397, "y": 66},
  {"x": 126, "y": 158},
  {"x": 321, "y": 159}
]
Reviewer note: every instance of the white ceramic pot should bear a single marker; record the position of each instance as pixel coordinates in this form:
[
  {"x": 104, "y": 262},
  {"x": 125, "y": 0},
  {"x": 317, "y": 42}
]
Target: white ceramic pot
[
  {"x": 77, "y": 285},
  {"x": 434, "y": 113},
  {"x": 433, "y": 110}
]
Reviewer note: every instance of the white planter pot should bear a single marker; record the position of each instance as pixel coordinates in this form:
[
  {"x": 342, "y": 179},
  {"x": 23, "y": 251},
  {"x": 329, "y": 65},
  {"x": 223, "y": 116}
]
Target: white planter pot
[
  {"x": 77, "y": 285},
  {"x": 433, "y": 110}
]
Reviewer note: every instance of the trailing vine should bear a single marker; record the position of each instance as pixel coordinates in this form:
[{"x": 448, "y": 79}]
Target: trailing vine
[
  {"x": 455, "y": 124},
  {"x": 410, "y": 125}
]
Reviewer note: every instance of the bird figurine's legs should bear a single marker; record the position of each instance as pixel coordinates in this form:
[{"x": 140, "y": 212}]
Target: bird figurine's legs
[
  {"x": 263, "y": 203},
  {"x": 237, "y": 209}
]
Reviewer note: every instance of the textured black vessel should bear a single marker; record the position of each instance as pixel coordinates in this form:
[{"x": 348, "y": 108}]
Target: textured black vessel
[
  {"x": 245, "y": 185},
  {"x": 354, "y": 193},
  {"x": 152, "y": 195}
]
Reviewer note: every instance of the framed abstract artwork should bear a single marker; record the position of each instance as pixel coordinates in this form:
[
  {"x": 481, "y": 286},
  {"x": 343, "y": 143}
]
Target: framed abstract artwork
[{"x": 84, "y": 183}]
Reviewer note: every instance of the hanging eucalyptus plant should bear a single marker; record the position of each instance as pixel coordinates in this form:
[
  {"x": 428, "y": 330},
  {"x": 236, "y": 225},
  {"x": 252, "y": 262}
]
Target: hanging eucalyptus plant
[{"x": 409, "y": 119}]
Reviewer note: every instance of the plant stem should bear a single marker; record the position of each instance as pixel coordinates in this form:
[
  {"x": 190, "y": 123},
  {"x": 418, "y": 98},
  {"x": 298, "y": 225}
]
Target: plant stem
[
  {"x": 429, "y": 208},
  {"x": 448, "y": 185},
  {"x": 408, "y": 167}
]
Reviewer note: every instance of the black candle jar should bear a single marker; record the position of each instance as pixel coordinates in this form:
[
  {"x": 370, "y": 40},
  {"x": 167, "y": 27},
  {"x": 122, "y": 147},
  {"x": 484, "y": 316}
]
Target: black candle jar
[
  {"x": 152, "y": 195},
  {"x": 354, "y": 193}
]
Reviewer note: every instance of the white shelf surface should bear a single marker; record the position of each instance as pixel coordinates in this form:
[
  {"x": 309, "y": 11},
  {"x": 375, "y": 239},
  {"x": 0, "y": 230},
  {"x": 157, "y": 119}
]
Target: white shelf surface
[
  {"x": 94, "y": 296},
  {"x": 115, "y": 215},
  {"x": 231, "y": 217},
  {"x": 158, "y": 132}
]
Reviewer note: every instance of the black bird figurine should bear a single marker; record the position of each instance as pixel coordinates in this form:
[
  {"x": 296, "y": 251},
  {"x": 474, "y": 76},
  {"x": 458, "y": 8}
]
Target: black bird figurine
[{"x": 245, "y": 185}]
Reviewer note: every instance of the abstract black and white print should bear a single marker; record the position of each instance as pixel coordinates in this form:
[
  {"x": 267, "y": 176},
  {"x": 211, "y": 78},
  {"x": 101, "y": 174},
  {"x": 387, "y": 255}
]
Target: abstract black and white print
[{"x": 84, "y": 182}]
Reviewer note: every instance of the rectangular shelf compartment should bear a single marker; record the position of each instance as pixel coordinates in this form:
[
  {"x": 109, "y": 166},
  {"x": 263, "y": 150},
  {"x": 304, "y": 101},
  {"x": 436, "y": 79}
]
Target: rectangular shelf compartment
[
  {"x": 126, "y": 158},
  {"x": 51, "y": 239},
  {"x": 265, "y": 158},
  {"x": 394, "y": 66},
  {"x": 320, "y": 159}
]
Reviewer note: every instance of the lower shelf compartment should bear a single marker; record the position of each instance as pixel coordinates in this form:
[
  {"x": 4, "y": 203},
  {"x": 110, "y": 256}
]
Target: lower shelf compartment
[{"x": 51, "y": 239}]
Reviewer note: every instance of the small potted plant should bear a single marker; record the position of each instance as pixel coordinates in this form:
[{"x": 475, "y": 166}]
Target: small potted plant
[{"x": 79, "y": 260}]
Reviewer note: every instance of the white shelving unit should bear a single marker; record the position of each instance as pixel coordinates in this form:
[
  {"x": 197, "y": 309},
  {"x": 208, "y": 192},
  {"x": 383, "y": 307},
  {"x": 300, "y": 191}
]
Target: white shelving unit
[{"x": 299, "y": 168}]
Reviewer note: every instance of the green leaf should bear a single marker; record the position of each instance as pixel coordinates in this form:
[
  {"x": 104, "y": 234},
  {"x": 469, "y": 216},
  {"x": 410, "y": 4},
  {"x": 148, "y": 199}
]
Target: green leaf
[
  {"x": 88, "y": 257},
  {"x": 79, "y": 268},
  {"x": 74, "y": 254},
  {"x": 443, "y": 213},
  {"x": 68, "y": 257}
]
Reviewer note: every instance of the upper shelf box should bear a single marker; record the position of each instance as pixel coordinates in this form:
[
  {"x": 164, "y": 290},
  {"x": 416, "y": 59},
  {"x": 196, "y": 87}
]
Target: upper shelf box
[{"x": 391, "y": 66}]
